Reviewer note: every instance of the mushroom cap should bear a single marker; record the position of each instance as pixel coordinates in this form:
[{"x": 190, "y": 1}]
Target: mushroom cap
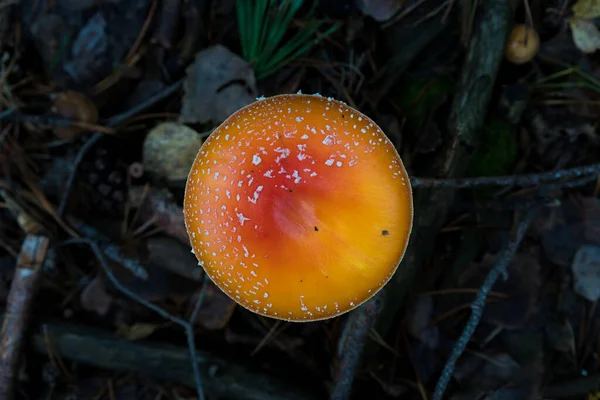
[
  {"x": 522, "y": 45},
  {"x": 298, "y": 207}
]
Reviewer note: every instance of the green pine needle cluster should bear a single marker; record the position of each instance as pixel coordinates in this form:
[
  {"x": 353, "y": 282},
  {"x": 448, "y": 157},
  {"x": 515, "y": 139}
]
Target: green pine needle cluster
[{"x": 263, "y": 25}]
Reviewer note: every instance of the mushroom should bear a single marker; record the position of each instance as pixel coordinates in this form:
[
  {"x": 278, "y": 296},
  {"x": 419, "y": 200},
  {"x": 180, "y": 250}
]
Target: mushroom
[
  {"x": 298, "y": 207},
  {"x": 522, "y": 45}
]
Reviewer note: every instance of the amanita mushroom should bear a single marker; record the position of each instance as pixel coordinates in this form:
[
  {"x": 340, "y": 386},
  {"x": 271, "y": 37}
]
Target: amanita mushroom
[{"x": 298, "y": 207}]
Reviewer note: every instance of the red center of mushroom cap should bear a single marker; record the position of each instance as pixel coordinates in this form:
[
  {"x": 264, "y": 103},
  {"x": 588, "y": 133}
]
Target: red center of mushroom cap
[{"x": 298, "y": 207}]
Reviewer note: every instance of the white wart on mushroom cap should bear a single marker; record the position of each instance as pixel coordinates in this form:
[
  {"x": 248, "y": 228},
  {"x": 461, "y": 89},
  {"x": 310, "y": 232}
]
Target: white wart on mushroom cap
[{"x": 298, "y": 207}]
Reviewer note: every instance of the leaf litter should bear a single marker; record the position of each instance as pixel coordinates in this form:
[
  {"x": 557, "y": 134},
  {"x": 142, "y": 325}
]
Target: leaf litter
[{"x": 154, "y": 92}]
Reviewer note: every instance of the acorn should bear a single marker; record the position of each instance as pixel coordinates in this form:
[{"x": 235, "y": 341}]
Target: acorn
[{"x": 522, "y": 45}]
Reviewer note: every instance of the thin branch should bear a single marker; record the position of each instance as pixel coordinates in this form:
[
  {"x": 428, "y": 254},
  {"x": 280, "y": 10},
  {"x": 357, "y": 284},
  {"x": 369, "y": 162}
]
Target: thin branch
[
  {"x": 507, "y": 180},
  {"x": 351, "y": 346},
  {"x": 479, "y": 303},
  {"x": 188, "y": 328},
  {"x": 115, "y": 281},
  {"x": 189, "y": 334},
  {"x": 55, "y": 121}
]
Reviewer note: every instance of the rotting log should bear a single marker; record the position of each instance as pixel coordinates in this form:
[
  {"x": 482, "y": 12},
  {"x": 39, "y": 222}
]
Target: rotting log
[
  {"x": 469, "y": 109},
  {"x": 223, "y": 379}
]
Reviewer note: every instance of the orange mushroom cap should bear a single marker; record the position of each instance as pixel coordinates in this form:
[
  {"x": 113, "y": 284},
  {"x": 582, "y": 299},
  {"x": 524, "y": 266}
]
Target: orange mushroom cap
[{"x": 298, "y": 207}]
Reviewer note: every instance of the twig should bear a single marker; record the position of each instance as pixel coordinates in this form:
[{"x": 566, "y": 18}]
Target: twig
[
  {"x": 60, "y": 211},
  {"x": 166, "y": 92},
  {"x": 54, "y": 121},
  {"x": 189, "y": 334},
  {"x": 112, "y": 122},
  {"x": 111, "y": 250},
  {"x": 515, "y": 180},
  {"x": 350, "y": 348},
  {"x": 575, "y": 183},
  {"x": 142, "y": 33},
  {"x": 479, "y": 303},
  {"x": 19, "y": 303},
  {"x": 100, "y": 256},
  {"x": 160, "y": 311}
]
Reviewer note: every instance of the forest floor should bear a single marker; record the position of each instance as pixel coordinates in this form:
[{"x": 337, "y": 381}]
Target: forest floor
[{"x": 105, "y": 103}]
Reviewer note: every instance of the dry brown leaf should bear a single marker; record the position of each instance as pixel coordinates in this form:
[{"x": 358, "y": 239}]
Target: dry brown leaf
[
  {"x": 137, "y": 331},
  {"x": 74, "y": 106},
  {"x": 218, "y": 83}
]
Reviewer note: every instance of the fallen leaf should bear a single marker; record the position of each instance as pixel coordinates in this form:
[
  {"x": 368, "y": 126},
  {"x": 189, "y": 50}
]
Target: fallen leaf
[
  {"x": 170, "y": 254},
  {"x": 559, "y": 333},
  {"x": 90, "y": 61},
  {"x": 49, "y": 32},
  {"x": 218, "y": 83},
  {"x": 586, "y": 8},
  {"x": 380, "y": 10},
  {"x": 94, "y": 297},
  {"x": 563, "y": 230},
  {"x": 486, "y": 372},
  {"x": 170, "y": 149},
  {"x": 75, "y": 106},
  {"x": 586, "y": 272},
  {"x": 419, "y": 319},
  {"x": 137, "y": 331},
  {"x": 216, "y": 308},
  {"x": 585, "y": 34},
  {"x": 160, "y": 205}
]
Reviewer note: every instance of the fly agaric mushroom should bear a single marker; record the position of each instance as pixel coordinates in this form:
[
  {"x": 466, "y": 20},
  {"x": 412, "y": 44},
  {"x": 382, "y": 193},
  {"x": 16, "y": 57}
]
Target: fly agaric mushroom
[{"x": 298, "y": 207}]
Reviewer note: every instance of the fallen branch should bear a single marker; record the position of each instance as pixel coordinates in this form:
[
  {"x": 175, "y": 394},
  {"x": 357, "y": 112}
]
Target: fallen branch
[
  {"x": 224, "y": 378},
  {"x": 20, "y": 300},
  {"x": 510, "y": 180},
  {"x": 479, "y": 303}
]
